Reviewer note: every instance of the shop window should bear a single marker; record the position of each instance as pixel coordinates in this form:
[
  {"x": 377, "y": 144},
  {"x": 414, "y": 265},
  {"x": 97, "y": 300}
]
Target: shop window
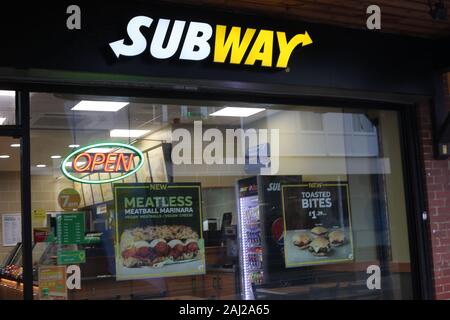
[
  {"x": 7, "y": 107},
  {"x": 153, "y": 198},
  {"x": 10, "y": 220}
]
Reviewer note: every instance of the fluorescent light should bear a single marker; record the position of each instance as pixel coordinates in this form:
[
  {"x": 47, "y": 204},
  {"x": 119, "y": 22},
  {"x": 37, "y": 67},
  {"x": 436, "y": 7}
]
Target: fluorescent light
[
  {"x": 100, "y": 150},
  {"x": 15, "y": 145},
  {"x": 4, "y": 156},
  {"x": 41, "y": 165},
  {"x": 73, "y": 145},
  {"x": 56, "y": 157},
  {"x": 236, "y": 112},
  {"x": 79, "y": 163},
  {"x": 7, "y": 93},
  {"x": 125, "y": 133},
  {"x": 2, "y": 121},
  {"x": 103, "y": 106}
]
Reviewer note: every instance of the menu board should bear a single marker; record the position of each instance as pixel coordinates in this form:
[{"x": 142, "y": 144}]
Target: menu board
[
  {"x": 11, "y": 229},
  {"x": 317, "y": 222},
  {"x": 77, "y": 186},
  {"x": 97, "y": 196},
  {"x": 52, "y": 283},
  {"x": 87, "y": 192},
  {"x": 70, "y": 228},
  {"x": 158, "y": 230},
  {"x": 106, "y": 187},
  {"x": 143, "y": 174}
]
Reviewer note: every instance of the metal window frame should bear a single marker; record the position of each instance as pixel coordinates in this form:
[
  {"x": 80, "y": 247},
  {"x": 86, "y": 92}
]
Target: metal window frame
[{"x": 21, "y": 130}]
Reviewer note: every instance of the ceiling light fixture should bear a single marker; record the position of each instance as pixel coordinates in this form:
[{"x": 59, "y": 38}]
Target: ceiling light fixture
[
  {"x": 236, "y": 112},
  {"x": 41, "y": 165},
  {"x": 125, "y": 133},
  {"x": 56, "y": 157},
  {"x": 5, "y": 156},
  {"x": 15, "y": 145},
  {"x": 73, "y": 146},
  {"x": 100, "y": 150},
  {"x": 102, "y": 106}
]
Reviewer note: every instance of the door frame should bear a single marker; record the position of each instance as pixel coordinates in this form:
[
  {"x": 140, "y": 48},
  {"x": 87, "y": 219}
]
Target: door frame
[{"x": 21, "y": 130}]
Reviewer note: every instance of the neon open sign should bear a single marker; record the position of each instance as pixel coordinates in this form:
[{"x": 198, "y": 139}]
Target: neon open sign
[{"x": 116, "y": 160}]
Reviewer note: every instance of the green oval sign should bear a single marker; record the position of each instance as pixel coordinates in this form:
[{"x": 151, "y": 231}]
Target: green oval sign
[{"x": 110, "y": 158}]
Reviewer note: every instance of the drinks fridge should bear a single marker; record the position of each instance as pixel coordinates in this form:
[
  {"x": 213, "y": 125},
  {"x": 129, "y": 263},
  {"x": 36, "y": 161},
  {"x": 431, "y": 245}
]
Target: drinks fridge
[
  {"x": 261, "y": 232},
  {"x": 250, "y": 233}
]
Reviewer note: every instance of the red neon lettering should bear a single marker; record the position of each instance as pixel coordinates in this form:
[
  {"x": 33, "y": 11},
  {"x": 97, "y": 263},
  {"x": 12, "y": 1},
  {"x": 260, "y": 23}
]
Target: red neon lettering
[
  {"x": 126, "y": 166},
  {"x": 77, "y": 158},
  {"x": 109, "y": 162},
  {"x": 99, "y": 158}
]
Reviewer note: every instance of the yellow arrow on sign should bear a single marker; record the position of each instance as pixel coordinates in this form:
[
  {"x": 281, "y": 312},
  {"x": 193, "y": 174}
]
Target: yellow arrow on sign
[{"x": 286, "y": 47}]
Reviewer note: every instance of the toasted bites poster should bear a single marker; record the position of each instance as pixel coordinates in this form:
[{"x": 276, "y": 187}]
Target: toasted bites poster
[
  {"x": 158, "y": 230},
  {"x": 317, "y": 221}
]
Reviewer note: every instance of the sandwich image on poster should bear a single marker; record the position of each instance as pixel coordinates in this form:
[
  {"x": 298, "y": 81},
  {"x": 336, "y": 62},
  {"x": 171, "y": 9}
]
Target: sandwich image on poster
[
  {"x": 158, "y": 230},
  {"x": 317, "y": 219}
]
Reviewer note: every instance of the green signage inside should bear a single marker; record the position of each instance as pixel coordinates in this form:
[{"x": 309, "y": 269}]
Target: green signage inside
[
  {"x": 71, "y": 257},
  {"x": 70, "y": 228}
]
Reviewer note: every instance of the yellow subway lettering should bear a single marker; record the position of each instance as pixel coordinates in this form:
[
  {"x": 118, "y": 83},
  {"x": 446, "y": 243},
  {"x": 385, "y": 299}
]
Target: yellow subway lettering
[
  {"x": 262, "y": 49},
  {"x": 232, "y": 42}
]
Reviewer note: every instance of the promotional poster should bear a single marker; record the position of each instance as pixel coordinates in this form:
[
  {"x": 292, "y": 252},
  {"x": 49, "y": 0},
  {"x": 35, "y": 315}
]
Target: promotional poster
[
  {"x": 269, "y": 189},
  {"x": 52, "y": 283},
  {"x": 317, "y": 224},
  {"x": 158, "y": 230}
]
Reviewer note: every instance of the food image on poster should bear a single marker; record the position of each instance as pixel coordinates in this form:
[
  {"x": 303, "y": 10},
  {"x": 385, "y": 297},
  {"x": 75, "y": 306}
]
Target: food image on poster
[
  {"x": 158, "y": 230},
  {"x": 154, "y": 245},
  {"x": 317, "y": 224}
]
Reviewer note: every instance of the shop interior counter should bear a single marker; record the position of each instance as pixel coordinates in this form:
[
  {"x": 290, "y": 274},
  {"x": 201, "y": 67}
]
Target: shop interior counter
[
  {"x": 218, "y": 282},
  {"x": 11, "y": 286}
]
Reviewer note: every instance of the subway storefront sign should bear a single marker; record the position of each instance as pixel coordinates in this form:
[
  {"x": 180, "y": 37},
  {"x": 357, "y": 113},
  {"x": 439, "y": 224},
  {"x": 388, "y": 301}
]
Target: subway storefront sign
[
  {"x": 102, "y": 163},
  {"x": 241, "y": 46}
]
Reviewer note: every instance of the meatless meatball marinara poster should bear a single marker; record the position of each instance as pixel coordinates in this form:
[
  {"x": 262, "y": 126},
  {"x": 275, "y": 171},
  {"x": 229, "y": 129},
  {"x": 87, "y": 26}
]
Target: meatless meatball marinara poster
[{"x": 158, "y": 230}]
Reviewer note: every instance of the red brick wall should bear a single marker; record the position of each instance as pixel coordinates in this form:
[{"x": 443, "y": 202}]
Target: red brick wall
[{"x": 438, "y": 195}]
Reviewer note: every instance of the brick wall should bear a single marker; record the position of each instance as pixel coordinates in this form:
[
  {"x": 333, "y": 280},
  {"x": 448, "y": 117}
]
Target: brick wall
[{"x": 438, "y": 195}]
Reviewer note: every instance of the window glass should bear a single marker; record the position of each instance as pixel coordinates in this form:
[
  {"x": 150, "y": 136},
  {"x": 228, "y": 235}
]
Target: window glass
[
  {"x": 7, "y": 107},
  {"x": 10, "y": 220},
  {"x": 160, "y": 198}
]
